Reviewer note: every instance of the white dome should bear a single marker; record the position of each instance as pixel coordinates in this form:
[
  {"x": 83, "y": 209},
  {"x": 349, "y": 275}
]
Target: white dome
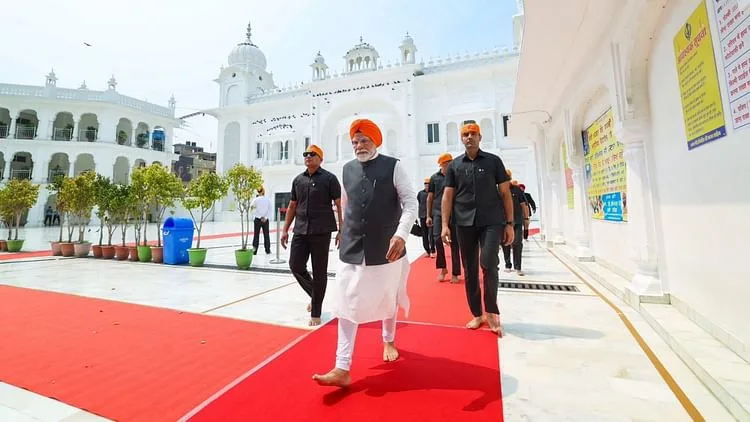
[{"x": 247, "y": 54}]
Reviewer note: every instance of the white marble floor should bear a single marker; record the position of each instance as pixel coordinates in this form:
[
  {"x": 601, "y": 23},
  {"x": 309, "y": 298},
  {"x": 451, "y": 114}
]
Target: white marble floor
[{"x": 566, "y": 356}]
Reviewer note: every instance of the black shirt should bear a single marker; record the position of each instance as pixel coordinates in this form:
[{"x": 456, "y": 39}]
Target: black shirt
[
  {"x": 519, "y": 198},
  {"x": 422, "y": 200},
  {"x": 437, "y": 186},
  {"x": 477, "y": 200},
  {"x": 314, "y": 195}
]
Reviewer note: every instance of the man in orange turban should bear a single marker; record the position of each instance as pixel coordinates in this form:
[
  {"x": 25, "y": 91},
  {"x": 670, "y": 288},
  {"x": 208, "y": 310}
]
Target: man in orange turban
[
  {"x": 435, "y": 221},
  {"x": 380, "y": 206},
  {"x": 477, "y": 194},
  {"x": 313, "y": 192}
]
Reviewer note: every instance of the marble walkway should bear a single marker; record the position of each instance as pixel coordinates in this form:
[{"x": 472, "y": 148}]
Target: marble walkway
[{"x": 566, "y": 356}]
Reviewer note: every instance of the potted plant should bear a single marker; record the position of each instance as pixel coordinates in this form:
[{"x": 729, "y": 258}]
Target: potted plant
[
  {"x": 81, "y": 206},
  {"x": 102, "y": 190},
  {"x": 65, "y": 197},
  {"x": 55, "y": 188},
  {"x": 163, "y": 188},
  {"x": 139, "y": 196},
  {"x": 200, "y": 196},
  {"x": 18, "y": 197},
  {"x": 244, "y": 182},
  {"x": 121, "y": 210}
]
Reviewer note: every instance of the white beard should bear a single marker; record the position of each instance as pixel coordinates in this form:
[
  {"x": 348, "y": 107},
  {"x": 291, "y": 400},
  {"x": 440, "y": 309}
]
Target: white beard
[{"x": 365, "y": 156}]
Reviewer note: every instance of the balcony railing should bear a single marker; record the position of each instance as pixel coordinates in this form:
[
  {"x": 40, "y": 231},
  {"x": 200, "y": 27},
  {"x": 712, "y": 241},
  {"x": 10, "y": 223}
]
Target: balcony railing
[
  {"x": 54, "y": 173},
  {"x": 4, "y": 129},
  {"x": 25, "y": 132},
  {"x": 60, "y": 134},
  {"x": 89, "y": 135},
  {"x": 20, "y": 174}
]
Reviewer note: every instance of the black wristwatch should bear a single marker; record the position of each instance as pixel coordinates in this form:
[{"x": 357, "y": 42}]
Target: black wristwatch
[{"x": 508, "y": 223}]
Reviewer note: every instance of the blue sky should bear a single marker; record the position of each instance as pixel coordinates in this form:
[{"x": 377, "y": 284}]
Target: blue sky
[{"x": 159, "y": 47}]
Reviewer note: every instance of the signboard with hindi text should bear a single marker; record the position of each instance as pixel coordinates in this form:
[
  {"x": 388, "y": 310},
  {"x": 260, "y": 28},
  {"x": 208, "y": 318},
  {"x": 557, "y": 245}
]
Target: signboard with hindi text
[
  {"x": 733, "y": 18},
  {"x": 702, "y": 107},
  {"x": 605, "y": 170}
]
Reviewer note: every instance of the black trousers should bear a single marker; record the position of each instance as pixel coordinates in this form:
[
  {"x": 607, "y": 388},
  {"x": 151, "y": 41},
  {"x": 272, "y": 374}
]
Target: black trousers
[
  {"x": 516, "y": 247},
  {"x": 481, "y": 246},
  {"x": 257, "y": 226},
  {"x": 437, "y": 227},
  {"x": 427, "y": 240},
  {"x": 302, "y": 248}
]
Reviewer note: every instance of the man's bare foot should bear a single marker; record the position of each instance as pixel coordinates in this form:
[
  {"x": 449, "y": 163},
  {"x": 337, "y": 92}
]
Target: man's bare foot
[
  {"x": 493, "y": 320},
  {"x": 441, "y": 275},
  {"x": 314, "y": 322},
  {"x": 475, "y": 323},
  {"x": 390, "y": 353},
  {"x": 334, "y": 378},
  {"x": 309, "y": 307},
  {"x": 454, "y": 279}
]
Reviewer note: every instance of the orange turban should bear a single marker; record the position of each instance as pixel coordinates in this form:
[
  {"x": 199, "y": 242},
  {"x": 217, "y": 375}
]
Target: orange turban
[
  {"x": 427, "y": 180},
  {"x": 445, "y": 157},
  {"x": 470, "y": 127},
  {"x": 514, "y": 182},
  {"x": 368, "y": 128},
  {"x": 316, "y": 149},
  {"x": 508, "y": 172}
]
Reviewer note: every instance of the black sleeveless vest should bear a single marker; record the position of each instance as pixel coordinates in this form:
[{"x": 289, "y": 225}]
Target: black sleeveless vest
[{"x": 372, "y": 211}]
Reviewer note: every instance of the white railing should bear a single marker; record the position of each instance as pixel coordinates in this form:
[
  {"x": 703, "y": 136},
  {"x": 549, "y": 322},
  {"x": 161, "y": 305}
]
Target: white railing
[
  {"x": 4, "y": 131},
  {"x": 25, "y": 132},
  {"x": 20, "y": 174},
  {"x": 61, "y": 134},
  {"x": 55, "y": 173},
  {"x": 89, "y": 135}
]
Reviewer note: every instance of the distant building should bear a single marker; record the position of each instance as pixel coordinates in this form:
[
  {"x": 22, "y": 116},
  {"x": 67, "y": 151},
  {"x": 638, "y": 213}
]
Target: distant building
[{"x": 192, "y": 161}]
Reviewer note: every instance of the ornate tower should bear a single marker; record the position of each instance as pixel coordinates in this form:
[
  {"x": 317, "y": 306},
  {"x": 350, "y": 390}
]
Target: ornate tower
[
  {"x": 361, "y": 57},
  {"x": 319, "y": 68},
  {"x": 408, "y": 50}
]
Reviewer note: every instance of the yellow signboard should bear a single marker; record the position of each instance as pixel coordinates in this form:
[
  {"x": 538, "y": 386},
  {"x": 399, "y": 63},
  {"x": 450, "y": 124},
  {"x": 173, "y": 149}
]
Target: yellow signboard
[
  {"x": 605, "y": 170},
  {"x": 702, "y": 109}
]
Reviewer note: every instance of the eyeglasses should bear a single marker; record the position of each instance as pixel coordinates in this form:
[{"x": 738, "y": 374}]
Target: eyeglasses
[{"x": 309, "y": 154}]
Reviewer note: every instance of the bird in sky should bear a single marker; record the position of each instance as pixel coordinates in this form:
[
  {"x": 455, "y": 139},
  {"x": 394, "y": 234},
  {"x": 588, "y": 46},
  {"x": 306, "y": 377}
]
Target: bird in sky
[{"x": 86, "y": 44}]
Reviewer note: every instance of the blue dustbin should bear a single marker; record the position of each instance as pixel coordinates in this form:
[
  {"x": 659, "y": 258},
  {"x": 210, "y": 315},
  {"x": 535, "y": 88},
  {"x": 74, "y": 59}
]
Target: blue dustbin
[{"x": 178, "y": 238}]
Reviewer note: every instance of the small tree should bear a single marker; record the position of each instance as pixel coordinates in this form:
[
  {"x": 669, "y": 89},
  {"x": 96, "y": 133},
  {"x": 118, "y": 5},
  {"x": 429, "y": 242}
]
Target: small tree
[
  {"x": 65, "y": 200},
  {"x": 55, "y": 187},
  {"x": 19, "y": 196},
  {"x": 83, "y": 200},
  {"x": 139, "y": 196},
  {"x": 162, "y": 189},
  {"x": 245, "y": 183},
  {"x": 120, "y": 209},
  {"x": 201, "y": 194},
  {"x": 103, "y": 191},
  {"x": 6, "y": 213}
]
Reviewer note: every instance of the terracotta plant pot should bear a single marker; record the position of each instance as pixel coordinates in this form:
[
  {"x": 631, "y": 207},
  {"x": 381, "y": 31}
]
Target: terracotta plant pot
[
  {"x": 108, "y": 252},
  {"x": 82, "y": 250},
  {"x": 133, "y": 253},
  {"x": 3, "y": 246},
  {"x": 67, "y": 249},
  {"x": 55, "y": 248},
  {"x": 97, "y": 250},
  {"x": 157, "y": 254},
  {"x": 121, "y": 253}
]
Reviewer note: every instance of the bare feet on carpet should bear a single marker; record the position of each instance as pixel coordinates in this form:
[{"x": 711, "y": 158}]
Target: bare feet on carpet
[
  {"x": 335, "y": 378},
  {"x": 441, "y": 274},
  {"x": 314, "y": 322},
  {"x": 493, "y": 320},
  {"x": 390, "y": 353},
  {"x": 454, "y": 279},
  {"x": 475, "y": 323},
  {"x": 309, "y": 307}
]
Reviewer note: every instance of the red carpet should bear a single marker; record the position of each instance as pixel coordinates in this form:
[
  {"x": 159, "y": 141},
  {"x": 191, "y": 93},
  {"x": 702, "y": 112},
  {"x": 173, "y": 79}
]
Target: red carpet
[
  {"x": 444, "y": 374},
  {"x": 434, "y": 302},
  {"x": 122, "y": 361}
]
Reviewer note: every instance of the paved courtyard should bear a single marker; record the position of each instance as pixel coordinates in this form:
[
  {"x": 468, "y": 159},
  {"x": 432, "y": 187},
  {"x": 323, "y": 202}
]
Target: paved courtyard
[{"x": 566, "y": 356}]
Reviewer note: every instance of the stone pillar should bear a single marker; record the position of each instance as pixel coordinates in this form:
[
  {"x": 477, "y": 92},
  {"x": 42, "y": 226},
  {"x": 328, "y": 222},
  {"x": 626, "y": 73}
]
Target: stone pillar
[
  {"x": 641, "y": 227},
  {"x": 12, "y": 126},
  {"x": 556, "y": 231},
  {"x": 582, "y": 223}
]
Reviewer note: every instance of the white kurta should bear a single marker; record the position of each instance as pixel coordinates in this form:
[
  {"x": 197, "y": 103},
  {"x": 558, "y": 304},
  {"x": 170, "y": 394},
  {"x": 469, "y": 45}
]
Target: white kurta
[{"x": 366, "y": 293}]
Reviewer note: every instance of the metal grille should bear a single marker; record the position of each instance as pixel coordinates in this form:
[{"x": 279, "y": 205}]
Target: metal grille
[{"x": 539, "y": 286}]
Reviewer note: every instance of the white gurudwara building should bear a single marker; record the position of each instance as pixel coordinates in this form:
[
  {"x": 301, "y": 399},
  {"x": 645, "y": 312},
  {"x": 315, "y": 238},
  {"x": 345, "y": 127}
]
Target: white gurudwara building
[
  {"x": 419, "y": 105},
  {"x": 48, "y": 130}
]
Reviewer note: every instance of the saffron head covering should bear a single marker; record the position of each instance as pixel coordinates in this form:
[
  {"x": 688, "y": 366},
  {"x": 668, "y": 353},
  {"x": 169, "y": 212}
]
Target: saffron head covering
[
  {"x": 470, "y": 127},
  {"x": 316, "y": 149},
  {"x": 368, "y": 128},
  {"x": 445, "y": 157},
  {"x": 427, "y": 181}
]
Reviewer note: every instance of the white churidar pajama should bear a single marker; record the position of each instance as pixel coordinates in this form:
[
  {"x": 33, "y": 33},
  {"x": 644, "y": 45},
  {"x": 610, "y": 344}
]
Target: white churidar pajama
[{"x": 363, "y": 293}]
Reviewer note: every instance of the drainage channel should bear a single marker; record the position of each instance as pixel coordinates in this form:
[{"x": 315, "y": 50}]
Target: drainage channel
[{"x": 550, "y": 287}]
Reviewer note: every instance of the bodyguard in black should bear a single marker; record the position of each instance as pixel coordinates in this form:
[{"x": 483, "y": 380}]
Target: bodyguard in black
[
  {"x": 435, "y": 222},
  {"x": 313, "y": 193},
  {"x": 428, "y": 243},
  {"x": 477, "y": 195},
  {"x": 520, "y": 213}
]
